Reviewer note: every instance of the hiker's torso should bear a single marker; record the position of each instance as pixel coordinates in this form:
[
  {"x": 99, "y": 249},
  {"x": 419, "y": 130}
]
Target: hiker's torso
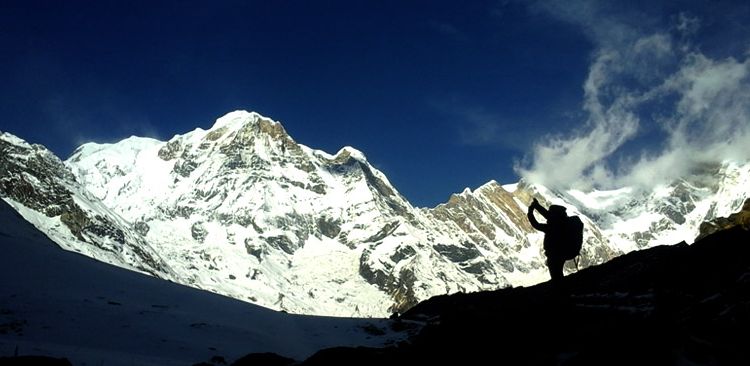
[{"x": 554, "y": 238}]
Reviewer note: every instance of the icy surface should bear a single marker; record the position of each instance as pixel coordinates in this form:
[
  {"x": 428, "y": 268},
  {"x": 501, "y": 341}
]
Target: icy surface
[{"x": 63, "y": 304}]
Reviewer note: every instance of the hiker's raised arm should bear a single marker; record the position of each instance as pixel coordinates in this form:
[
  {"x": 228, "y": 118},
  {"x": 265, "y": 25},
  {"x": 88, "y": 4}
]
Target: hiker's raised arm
[
  {"x": 532, "y": 220},
  {"x": 543, "y": 211}
]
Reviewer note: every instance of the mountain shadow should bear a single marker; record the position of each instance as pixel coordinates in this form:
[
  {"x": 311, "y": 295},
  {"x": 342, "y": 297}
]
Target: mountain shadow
[{"x": 668, "y": 305}]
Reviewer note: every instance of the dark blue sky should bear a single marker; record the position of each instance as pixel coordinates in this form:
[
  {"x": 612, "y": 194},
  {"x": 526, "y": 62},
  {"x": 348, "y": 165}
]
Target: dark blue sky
[{"x": 439, "y": 95}]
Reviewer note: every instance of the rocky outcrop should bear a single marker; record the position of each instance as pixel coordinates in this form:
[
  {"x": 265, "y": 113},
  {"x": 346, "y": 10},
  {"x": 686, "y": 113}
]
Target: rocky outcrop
[
  {"x": 31, "y": 176},
  {"x": 741, "y": 219}
]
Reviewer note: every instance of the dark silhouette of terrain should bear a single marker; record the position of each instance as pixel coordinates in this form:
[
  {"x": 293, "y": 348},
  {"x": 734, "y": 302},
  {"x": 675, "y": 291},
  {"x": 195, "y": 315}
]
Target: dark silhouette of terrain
[
  {"x": 34, "y": 361},
  {"x": 668, "y": 305}
]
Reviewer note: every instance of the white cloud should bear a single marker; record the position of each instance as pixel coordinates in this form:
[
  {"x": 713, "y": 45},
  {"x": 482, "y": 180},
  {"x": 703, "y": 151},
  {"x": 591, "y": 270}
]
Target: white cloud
[
  {"x": 710, "y": 122},
  {"x": 687, "y": 24},
  {"x": 596, "y": 18},
  {"x": 643, "y": 81}
]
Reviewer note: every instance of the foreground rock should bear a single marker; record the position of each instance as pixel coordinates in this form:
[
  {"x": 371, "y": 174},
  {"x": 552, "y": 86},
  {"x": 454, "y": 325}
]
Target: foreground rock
[{"x": 666, "y": 305}]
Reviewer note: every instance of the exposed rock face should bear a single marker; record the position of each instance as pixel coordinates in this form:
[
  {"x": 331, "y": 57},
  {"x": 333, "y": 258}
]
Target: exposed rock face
[
  {"x": 741, "y": 219},
  {"x": 198, "y": 232},
  {"x": 495, "y": 217},
  {"x": 482, "y": 213},
  {"x": 34, "y": 178}
]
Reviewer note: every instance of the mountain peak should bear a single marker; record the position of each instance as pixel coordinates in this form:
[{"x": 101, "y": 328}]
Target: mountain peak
[
  {"x": 347, "y": 151},
  {"x": 129, "y": 146},
  {"x": 486, "y": 187},
  {"x": 13, "y": 139},
  {"x": 491, "y": 185},
  {"x": 246, "y": 124},
  {"x": 236, "y": 118}
]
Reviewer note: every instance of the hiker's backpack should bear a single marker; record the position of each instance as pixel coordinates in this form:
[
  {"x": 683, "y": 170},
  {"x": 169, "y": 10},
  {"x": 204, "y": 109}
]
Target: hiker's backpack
[{"x": 573, "y": 237}]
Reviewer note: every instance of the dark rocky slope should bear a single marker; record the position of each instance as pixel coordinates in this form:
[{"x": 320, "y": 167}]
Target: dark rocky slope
[
  {"x": 741, "y": 218},
  {"x": 667, "y": 305}
]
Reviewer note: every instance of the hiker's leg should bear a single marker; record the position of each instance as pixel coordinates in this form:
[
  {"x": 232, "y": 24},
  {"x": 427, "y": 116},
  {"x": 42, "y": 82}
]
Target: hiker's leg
[{"x": 555, "y": 268}]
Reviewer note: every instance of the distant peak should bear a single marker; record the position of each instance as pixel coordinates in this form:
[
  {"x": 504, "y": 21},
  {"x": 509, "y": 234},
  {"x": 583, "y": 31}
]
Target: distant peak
[
  {"x": 13, "y": 139},
  {"x": 493, "y": 184},
  {"x": 132, "y": 143},
  {"x": 511, "y": 187},
  {"x": 350, "y": 151},
  {"x": 489, "y": 185},
  {"x": 239, "y": 118}
]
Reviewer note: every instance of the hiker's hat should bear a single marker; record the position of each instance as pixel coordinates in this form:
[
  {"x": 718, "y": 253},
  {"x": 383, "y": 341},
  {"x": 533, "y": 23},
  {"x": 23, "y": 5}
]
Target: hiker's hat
[{"x": 557, "y": 209}]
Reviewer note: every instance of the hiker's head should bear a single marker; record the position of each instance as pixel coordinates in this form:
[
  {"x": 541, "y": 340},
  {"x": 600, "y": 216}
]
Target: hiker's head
[{"x": 557, "y": 211}]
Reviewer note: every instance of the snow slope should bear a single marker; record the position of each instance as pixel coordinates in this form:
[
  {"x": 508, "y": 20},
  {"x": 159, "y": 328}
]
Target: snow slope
[{"x": 57, "y": 303}]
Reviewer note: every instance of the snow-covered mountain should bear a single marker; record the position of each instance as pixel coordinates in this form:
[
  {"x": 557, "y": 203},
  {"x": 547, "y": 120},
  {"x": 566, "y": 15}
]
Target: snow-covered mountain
[
  {"x": 637, "y": 218},
  {"x": 62, "y": 304},
  {"x": 39, "y": 186},
  {"x": 242, "y": 209}
]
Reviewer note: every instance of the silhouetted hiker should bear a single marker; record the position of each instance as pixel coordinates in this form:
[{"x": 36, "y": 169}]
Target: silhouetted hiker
[{"x": 563, "y": 236}]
